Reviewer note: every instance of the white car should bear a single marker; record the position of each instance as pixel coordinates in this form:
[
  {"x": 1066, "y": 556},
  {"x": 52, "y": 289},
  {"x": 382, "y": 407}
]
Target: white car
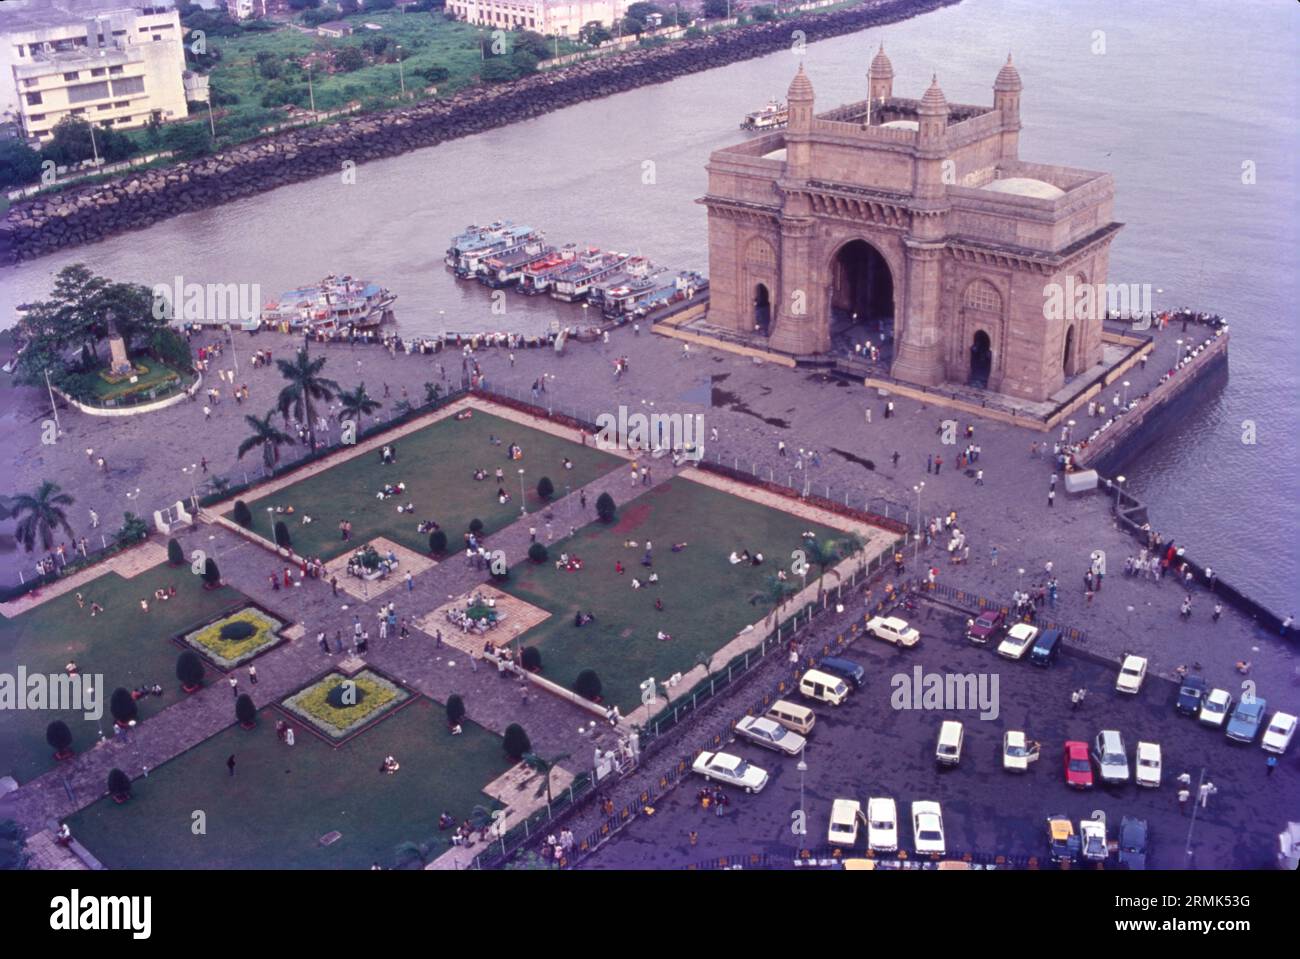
[
  {"x": 1019, "y": 638},
  {"x": 1148, "y": 764},
  {"x": 1092, "y": 839},
  {"x": 882, "y": 825},
  {"x": 1017, "y": 751},
  {"x": 770, "y": 733},
  {"x": 1279, "y": 732},
  {"x": 845, "y": 815},
  {"x": 729, "y": 769},
  {"x": 1131, "y": 673},
  {"x": 927, "y": 828},
  {"x": 1215, "y": 707},
  {"x": 893, "y": 630},
  {"x": 1111, "y": 756}
]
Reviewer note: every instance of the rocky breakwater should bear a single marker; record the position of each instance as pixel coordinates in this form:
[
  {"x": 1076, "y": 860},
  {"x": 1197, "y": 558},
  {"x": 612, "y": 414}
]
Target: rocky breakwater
[{"x": 40, "y": 225}]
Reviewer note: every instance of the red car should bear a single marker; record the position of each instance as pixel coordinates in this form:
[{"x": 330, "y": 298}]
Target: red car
[
  {"x": 1078, "y": 767},
  {"x": 986, "y": 626}
]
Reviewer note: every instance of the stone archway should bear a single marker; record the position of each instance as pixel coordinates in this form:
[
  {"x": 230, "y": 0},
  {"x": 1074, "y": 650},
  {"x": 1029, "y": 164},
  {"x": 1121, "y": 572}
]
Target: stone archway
[
  {"x": 862, "y": 303},
  {"x": 981, "y": 360},
  {"x": 1069, "y": 361},
  {"x": 762, "y": 310}
]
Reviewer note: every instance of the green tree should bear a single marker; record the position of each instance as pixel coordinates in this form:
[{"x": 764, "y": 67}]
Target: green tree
[
  {"x": 595, "y": 33},
  {"x": 641, "y": 11},
  {"x": 306, "y": 388},
  {"x": 119, "y": 785},
  {"x": 242, "y": 514},
  {"x": 40, "y": 515},
  {"x": 588, "y": 685},
  {"x": 534, "y": 43},
  {"x": 633, "y": 25},
  {"x": 773, "y": 595},
  {"x": 763, "y": 14},
  {"x": 348, "y": 59},
  {"x": 455, "y": 710},
  {"x": 122, "y": 707},
  {"x": 59, "y": 736},
  {"x": 524, "y": 62},
  {"x": 266, "y": 435},
  {"x": 357, "y": 404},
  {"x": 605, "y": 508},
  {"x": 432, "y": 393},
  {"x": 715, "y": 9},
  {"x": 270, "y": 68},
  {"x": 516, "y": 741},
  {"x": 187, "y": 140},
  {"x": 545, "y": 488},
  {"x": 245, "y": 711},
  {"x": 211, "y": 574},
  {"x": 531, "y": 658},
  {"x": 189, "y": 669},
  {"x": 825, "y": 553},
  {"x": 537, "y": 553},
  {"x": 20, "y": 165},
  {"x": 498, "y": 70},
  {"x": 544, "y": 766},
  {"x": 282, "y": 538},
  {"x": 437, "y": 542},
  {"x": 175, "y": 555}
]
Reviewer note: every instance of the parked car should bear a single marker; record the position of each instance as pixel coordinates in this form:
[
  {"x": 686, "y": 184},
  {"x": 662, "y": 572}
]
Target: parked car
[
  {"x": 1147, "y": 770},
  {"x": 1111, "y": 756},
  {"x": 947, "y": 750},
  {"x": 1019, "y": 638},
  {"x": 927, "y": 828},
  {"x": 1017, "y": 751},
  {"x": 846, "y": 669},
  {"x": 1078, "y": 767},
  {"x": 1280, "y": 730},
  {"x": 770, "y": 734},
  {"x": 1190, "y": 695},
  {"x": 893, "y": 630},
  {"x": 1243, "y": 725},
  {"x": 882, "y": 825},
  {"x": 1092, "y": 836},
  {"x": 986, "y": 626},
  {"x": 1131, "y": 673},
  {"x": 823, "y": 687},
  {"x": 1046, "y": 647},
  {"x": 1133, "y": 838},
  {"x": 729, "y": 769},
  {"x": 845, "y": 815},
  {"x": 1215, "y": 707},
  {"x": 1062, "y": 843}
]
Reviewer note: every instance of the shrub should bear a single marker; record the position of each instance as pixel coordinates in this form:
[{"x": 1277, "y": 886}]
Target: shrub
[
  {"x": 605, "y": 508},
  {"x": 437, "y": 542},
  {"x": 236, "y": 630},
  {"x": 119, "y": 785},
  {"x": 545, "y": 488},
  {"x": 189, "y": 668},
  {"x": 175, "y": 555},
  {"x": 516, "y": 741},
  {"x": 476, "y": 526},
  {"x": 59, "y": 736},
  {"x": 531, "y": 659},
  {"x": 243, "y": 515},
  {"x": 587, "y": 685},
  {"x": 537, "y": 553},
  {"x": 245, "y": 711},
  {"x": 355, "y": 694},
  {"x": 122, "y": 706},
  {"x": 282, "y": 535},
  {"x": 455, "y": 710},
  {"x": 211, "y": 575}
]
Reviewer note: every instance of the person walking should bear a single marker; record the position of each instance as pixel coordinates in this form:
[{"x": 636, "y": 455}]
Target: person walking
[
  {"x": 938, "y": 464},
  {"x": 895, "y": 459},
  {"x": 234, "y": 686},
  {"x": 410, "y": 581},
  {"x": 979, "y": 477},
  {"x": 868, "y": 415},
  {"x": 94, "y": 519},
  {"x": 1184, "y": 797},
  {"x": 230, "y": 763},
  {"x": 1271, "y": 764},
  {"x": 252, "y": 674},
  {"x": 1051, "y": 497}
]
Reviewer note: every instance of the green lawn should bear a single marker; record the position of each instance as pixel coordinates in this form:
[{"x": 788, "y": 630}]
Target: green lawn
[
  {"x": 155, "y": 375},
  {"x": 706, "y": 599},
  {"x": 129, "y": 647},
  {"x": 282, "y": 799},
  {"x": 437, "y": 466}
]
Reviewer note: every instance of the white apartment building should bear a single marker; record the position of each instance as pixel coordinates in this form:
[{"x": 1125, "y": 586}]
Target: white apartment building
[
  {"x": 113, "y": 62},
  {"x": 564, "y": 18}
]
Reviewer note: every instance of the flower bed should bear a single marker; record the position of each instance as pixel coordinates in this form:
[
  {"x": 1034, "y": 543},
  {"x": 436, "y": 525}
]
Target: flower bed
[
  {"x": 236, "y": 638},
  {"x": 337, "y": 710}
]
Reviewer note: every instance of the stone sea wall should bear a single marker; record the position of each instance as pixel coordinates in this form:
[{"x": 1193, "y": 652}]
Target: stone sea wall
[{"x": 32, "y": 228}]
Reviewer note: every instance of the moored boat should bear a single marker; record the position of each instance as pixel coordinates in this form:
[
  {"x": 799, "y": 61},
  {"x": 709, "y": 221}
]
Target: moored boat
[
  {"x": 334, "y": 302},
  {"x": 594, "y": 265}
]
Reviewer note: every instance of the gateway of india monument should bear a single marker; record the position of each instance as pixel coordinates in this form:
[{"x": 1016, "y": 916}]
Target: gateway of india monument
[{"x": 912, "y": 225}]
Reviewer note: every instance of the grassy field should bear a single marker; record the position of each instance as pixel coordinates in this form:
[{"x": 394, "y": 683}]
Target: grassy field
[
  {"x": 705, "y": 597},
  {"x": 282, "y": 799},
  {"x": 129, "y": 647},
  {"x": 155, "y": 374},
  {"x": 437, "y": 465}
]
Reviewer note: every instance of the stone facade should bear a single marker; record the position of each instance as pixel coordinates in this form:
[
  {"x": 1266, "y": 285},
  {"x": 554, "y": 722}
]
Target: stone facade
[{"x": 917, "y": 215}]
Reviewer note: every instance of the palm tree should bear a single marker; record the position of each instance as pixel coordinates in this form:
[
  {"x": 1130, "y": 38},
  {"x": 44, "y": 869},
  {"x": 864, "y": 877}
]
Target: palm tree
[
  {"x": 544, "y": 767},
  {"x": 44, "y": 515},
  {"x": 266, "y": 436},
  {"x": 306, "y": 385},
  {"x": 423, "y": 851},
  {"x": 826, "y": 553},
  {"x": 432, "y": 391},
  {"x": 358, "y": 403},
  {"x": 773, "y": 594}
]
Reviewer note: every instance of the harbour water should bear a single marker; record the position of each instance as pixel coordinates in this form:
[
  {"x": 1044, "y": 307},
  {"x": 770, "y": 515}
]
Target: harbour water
[{"x": 1180, "y": 106}]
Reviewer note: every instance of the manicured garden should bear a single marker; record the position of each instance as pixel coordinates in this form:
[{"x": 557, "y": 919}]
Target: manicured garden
[
  {"x": 236, "y": 638},
  {"x": 150, "y": 375},
  {"x": 436, "y": 466},
  {"x": 282, "y": 799},
  {"x": 339, "y": 705},
  {"x": 706, "y": 599},
  {"x": 131, "y": 648}
]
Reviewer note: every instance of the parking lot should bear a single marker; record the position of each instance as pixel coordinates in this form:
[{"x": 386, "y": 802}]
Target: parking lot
[{"x": 867, "y": 747}]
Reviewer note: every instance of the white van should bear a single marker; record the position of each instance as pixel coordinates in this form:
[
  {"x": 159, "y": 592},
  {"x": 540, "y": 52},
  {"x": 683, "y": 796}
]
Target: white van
[
  {"x": 823, "y": 687},
  {"x": 948, "y": 750},
  {"x": 796, "y": 718}
]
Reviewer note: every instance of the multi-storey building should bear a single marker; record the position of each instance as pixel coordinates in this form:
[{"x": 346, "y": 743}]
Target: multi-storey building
[
  {"x": 564, "y": 18},
  {"x": 109, "y": 62}
]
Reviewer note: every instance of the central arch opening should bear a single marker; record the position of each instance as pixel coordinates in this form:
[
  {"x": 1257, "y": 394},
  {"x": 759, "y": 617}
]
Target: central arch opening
[
  {"x": 981, "y": 360},
  {"x": 762, "y": 310},
  {"x": 862, "y": 300},
  {"x": 1067, "y": 361}
]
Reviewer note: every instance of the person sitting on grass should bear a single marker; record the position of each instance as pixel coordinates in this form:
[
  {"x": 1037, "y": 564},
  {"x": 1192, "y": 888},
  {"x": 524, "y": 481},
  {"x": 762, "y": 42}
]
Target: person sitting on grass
[
  {"x": 446, "y": 820},
  {"x": 389, "y": 766},
  {"x": 502, "y": 496},
  {"x": 95, "y": 608},
  {"x": 618, "y": 567},
  {"x": 144, "y": 605},
  {"x": 306, "y": 519},
  {"x": 654, "y": 578},
  {"x": 663, "y": 637},
  {"x": 636, "y": 583},
  {"x": 757, "y": 560},
  {"x": 733, "y": 559},
  {"x": 480, "y": 474},
  {"x": 678, "y": 547},
  {"x": 659, "y": 605},
  {"x": 70, "y": 667}
]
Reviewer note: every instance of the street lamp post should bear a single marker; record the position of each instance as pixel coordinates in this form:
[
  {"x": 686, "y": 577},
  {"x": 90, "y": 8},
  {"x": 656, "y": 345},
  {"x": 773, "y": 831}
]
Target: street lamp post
[
  {"x": 191, "y": 471},
  {"x": 401, "y": 73},
  {"x": 523, "y": 509},
  {"x": 53, "y": 406},
  {"x": 1126, "y": 384},
  {"x": 311, "y": 92},
  {"x": 1119, "y": 487},
  {"x": 803, "y": 768}
]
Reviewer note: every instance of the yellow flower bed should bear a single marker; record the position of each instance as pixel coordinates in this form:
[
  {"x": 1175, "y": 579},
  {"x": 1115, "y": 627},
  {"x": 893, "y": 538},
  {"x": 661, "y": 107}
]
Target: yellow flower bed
[
  {"x": 228, "y": 652},
  {"x": 376, "y": 694}
]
